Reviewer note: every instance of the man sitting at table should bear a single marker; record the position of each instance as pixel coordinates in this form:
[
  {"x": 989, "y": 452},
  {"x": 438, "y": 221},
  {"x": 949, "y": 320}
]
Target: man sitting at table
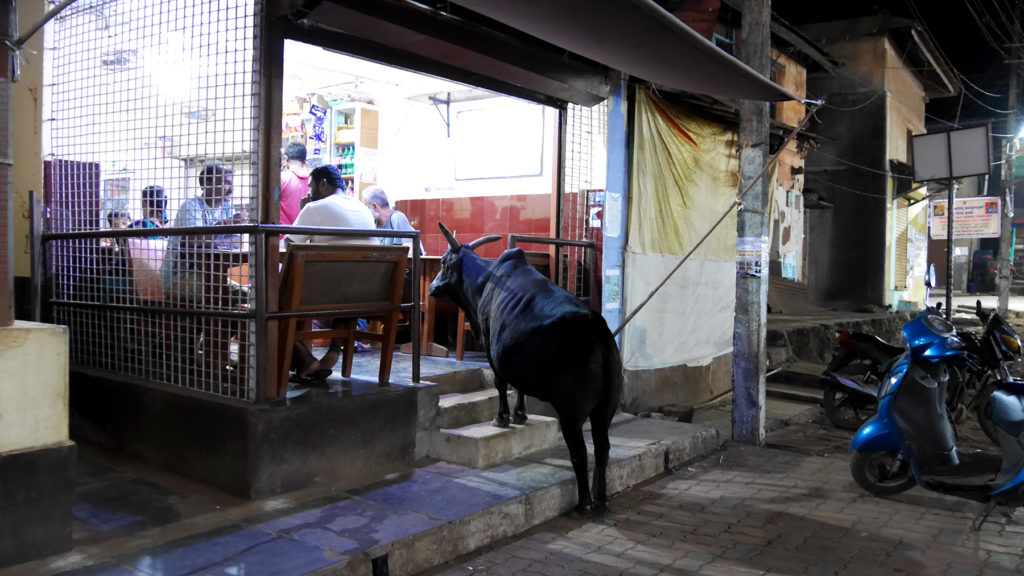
[
  {"x": 328, "y": 206},
  {"x": 182, "y": 277}
]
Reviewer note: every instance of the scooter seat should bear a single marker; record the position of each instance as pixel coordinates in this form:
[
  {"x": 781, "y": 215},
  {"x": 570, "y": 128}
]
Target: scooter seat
[
  {"x": 1007, "y": 412},
  {"x": 885, "y": 347}
]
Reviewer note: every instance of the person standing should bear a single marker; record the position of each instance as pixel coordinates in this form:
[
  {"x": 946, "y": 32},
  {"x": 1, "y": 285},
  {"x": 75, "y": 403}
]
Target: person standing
[
  {"x": 386, "y": 217},
  {"x": 294, "y": 182},
  {"x": 328, "y": 206}
]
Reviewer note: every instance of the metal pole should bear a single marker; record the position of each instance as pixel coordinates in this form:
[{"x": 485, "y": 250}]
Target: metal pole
[
  {"x": 949, "y": 248},
  {"x": 1004, "y": 264}
]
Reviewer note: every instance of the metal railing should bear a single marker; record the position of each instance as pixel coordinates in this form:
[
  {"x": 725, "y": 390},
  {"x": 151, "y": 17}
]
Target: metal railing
[
  {"x": 117, "y": 330},
  {"x": 582, "y": 273}
]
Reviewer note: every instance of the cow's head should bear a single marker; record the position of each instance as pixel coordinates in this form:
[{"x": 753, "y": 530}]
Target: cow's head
[{"x": 461, "y": 268}]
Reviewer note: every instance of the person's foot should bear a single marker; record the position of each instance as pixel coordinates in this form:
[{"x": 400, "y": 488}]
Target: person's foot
[
  {"x": 310, "y": 369},
  {"x": 329, "y": 359},
  {"x": 362, "y": 347}
]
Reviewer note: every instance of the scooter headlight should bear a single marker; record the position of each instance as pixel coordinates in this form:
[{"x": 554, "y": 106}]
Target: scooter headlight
[{"x": 891, "y": 379}]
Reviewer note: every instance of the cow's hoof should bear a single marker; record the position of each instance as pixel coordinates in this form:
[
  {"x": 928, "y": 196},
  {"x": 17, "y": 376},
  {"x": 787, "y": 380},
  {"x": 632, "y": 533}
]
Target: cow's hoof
[
  {"x": 589, "y": 511},
  {"x": 519, "y": 419},
  {"x": 501, "y": 422}
]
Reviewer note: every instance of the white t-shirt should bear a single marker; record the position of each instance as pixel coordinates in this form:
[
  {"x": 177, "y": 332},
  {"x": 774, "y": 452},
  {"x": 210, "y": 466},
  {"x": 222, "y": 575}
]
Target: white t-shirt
[{"x": 335, "y": 211}]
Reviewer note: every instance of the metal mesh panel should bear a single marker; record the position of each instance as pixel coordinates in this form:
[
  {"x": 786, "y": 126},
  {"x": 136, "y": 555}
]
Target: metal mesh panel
[
  {"x": 586, "y": 135},
  {"x": 153, "y": 122}
]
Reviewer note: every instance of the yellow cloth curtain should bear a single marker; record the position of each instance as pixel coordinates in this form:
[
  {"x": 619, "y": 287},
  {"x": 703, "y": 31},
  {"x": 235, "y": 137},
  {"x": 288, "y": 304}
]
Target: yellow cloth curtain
[{"x": 685, "y": 175}]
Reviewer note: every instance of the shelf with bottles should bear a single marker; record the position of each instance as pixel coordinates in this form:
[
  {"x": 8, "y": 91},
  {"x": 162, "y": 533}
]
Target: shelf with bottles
[{"x": 353, "y": 136}]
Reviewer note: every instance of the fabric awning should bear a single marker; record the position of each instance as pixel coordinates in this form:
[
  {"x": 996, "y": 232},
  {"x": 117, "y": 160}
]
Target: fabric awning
[{"x": 637, "y": 37}]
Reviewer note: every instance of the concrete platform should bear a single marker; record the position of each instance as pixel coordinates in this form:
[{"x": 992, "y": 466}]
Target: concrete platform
[{"x": 408, "y": 524}]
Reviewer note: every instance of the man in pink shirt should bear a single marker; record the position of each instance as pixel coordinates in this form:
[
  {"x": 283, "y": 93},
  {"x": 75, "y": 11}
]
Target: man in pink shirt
[{"x": 294, "y": 182}]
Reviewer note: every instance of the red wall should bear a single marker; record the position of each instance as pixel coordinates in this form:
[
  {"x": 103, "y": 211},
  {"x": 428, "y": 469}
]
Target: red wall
[{"x": 476, "y": 216}]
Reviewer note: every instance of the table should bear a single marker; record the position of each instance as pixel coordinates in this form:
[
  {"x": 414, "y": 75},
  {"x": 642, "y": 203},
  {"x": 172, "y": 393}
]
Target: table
[{"x": 430, "y": 266}]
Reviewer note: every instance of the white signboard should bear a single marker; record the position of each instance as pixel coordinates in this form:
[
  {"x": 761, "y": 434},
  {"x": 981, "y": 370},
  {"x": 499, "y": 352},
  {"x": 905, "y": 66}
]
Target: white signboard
[
  {"x": 974, "y": 218},
  {"x": 952, "y": 154}
]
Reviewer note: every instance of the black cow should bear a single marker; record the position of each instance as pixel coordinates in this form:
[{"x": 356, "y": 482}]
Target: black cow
[{"x": 544, "y": 342}]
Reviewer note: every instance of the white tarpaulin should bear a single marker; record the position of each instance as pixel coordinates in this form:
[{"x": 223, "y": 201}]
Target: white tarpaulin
[
  {"x": 685, "y": 177},
  {"x": 689, "y": 321}
]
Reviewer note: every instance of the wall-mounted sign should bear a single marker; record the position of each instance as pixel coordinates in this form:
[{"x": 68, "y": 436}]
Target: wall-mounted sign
[{"x": 974, "y": 218}]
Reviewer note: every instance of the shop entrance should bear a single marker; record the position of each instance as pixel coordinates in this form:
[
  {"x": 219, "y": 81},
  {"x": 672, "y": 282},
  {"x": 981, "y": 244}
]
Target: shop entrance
[{"x": 481, "y": 162}]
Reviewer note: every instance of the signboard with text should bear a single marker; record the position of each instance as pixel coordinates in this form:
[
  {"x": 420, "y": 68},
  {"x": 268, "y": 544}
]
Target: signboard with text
[{"x": 974, "y": 218}]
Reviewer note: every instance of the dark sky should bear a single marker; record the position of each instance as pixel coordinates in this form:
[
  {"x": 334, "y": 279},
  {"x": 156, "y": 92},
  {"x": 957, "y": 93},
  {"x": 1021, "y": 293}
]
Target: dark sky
[{"x": 959, "y": 36}]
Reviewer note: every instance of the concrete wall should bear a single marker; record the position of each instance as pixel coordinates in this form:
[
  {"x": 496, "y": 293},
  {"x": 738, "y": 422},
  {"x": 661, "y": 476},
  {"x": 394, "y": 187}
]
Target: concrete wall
[
  {"x": 34, "y": 386},
  {"x": 847, "y": 243},
  {"x": 36, "y": 457},
  {"x": 253, "y": 451},
  {"x": 648, "y": 390},
  {"x": 852, "y": 255},
  {"x": 788, "y": 247},
  {"x": 26, "y": 120}
]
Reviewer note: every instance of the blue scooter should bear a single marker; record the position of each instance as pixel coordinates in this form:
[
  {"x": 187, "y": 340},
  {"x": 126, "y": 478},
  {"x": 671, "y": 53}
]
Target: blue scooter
[{"x": 911, "y": 439}]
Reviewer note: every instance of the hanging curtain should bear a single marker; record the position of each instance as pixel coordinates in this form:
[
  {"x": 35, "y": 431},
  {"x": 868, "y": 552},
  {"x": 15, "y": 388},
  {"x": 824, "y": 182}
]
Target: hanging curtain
[{"x": 685, "y": 176}]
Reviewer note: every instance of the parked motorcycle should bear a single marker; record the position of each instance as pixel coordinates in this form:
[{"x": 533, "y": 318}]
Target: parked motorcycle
[
  {"x": 853, "y": 376},
  {"x": 852, "y": 379},
  {"x": 911, "y": 440},
  {"x": 991, "y": 355}
]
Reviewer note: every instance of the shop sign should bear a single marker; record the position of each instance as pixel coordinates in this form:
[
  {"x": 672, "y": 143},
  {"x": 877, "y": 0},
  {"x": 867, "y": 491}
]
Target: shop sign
[{"x": 977, "y": 217}]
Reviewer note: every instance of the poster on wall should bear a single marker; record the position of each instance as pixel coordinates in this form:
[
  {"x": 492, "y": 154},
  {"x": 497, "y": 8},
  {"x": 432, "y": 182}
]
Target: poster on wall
[
  {"x": 612, "y": 290},
  {"x": 318, "y": 136},
  {"x": 977, "y": 217},
  {"x": 613, "y": 215},
  {"x": 751, "y": 256}
]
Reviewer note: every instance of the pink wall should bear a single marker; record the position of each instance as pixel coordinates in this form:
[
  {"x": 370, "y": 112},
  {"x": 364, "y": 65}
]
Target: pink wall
[{"x": 476, "y": 216}]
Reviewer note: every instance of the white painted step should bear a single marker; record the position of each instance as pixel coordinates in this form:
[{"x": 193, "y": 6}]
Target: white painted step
[
  {"x": 485, "y": 446},
  {"x": 458, "y": 410}
]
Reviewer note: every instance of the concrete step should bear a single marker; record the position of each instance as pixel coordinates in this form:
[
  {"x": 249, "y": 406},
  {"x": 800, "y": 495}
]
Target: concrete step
[
  {"x": 458, "y": 410},
  {"x": 794, "y": 392},
  {"x": 484, "y": 446},
  {"x": 806, "y": 374},
  {"x": 462, "y": 381}
]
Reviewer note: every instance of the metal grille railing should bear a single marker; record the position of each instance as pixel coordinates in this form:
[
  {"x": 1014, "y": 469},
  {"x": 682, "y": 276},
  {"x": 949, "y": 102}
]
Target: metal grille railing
[
  {"x": 154, "y": 121},
  {"x": 586, "y": 137}
]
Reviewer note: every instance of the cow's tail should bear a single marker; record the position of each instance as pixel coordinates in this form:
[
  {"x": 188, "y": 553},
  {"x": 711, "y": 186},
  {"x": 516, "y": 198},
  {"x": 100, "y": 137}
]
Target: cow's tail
[{"x": 611, "y": 366}]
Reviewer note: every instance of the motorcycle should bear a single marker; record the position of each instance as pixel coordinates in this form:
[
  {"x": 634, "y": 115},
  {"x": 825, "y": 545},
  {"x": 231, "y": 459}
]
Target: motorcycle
[
  {"x": 852, "y": 378},
  {"x": 992, "y": 353},
  {"x": 854, "y": 375},
  {"x": 911, "y": 440}
]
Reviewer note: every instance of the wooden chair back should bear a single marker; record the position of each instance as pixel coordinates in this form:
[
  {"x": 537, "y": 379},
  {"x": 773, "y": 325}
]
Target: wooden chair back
[{"x": 341, "y": 282}]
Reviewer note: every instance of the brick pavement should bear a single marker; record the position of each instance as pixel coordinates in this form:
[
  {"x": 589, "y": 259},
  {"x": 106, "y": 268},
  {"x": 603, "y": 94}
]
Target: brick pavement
[{"x": 764, "y": 511}]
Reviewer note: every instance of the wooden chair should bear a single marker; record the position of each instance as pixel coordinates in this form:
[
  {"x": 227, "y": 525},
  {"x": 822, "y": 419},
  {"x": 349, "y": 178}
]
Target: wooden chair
[
  {"x": 340, "y": 283},
  {"x": 541, "y": 261}
]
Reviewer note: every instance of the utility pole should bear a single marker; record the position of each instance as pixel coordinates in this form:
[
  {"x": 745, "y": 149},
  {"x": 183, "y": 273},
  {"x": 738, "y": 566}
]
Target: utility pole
[
  {"x": 1003, "y": 276},
  {"x": 749, "y": 358}
]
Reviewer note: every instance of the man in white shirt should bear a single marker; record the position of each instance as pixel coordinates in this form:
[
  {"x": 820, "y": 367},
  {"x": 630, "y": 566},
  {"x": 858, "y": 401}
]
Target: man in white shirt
[{"x": 328, "y": 206}]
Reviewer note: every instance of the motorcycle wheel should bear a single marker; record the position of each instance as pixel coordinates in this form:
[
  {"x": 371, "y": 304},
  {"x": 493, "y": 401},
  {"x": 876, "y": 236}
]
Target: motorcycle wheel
[
  {"x": 872, "y": 472},
  {"x": 845, "y": 410},
  {"x": 980, "y": 404}
]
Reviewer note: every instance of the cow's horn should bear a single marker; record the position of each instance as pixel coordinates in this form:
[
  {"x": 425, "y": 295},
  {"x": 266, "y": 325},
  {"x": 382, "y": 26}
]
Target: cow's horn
[
  {"x": 449, "y": 236},
  {"x": 481, "y": 241}
]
